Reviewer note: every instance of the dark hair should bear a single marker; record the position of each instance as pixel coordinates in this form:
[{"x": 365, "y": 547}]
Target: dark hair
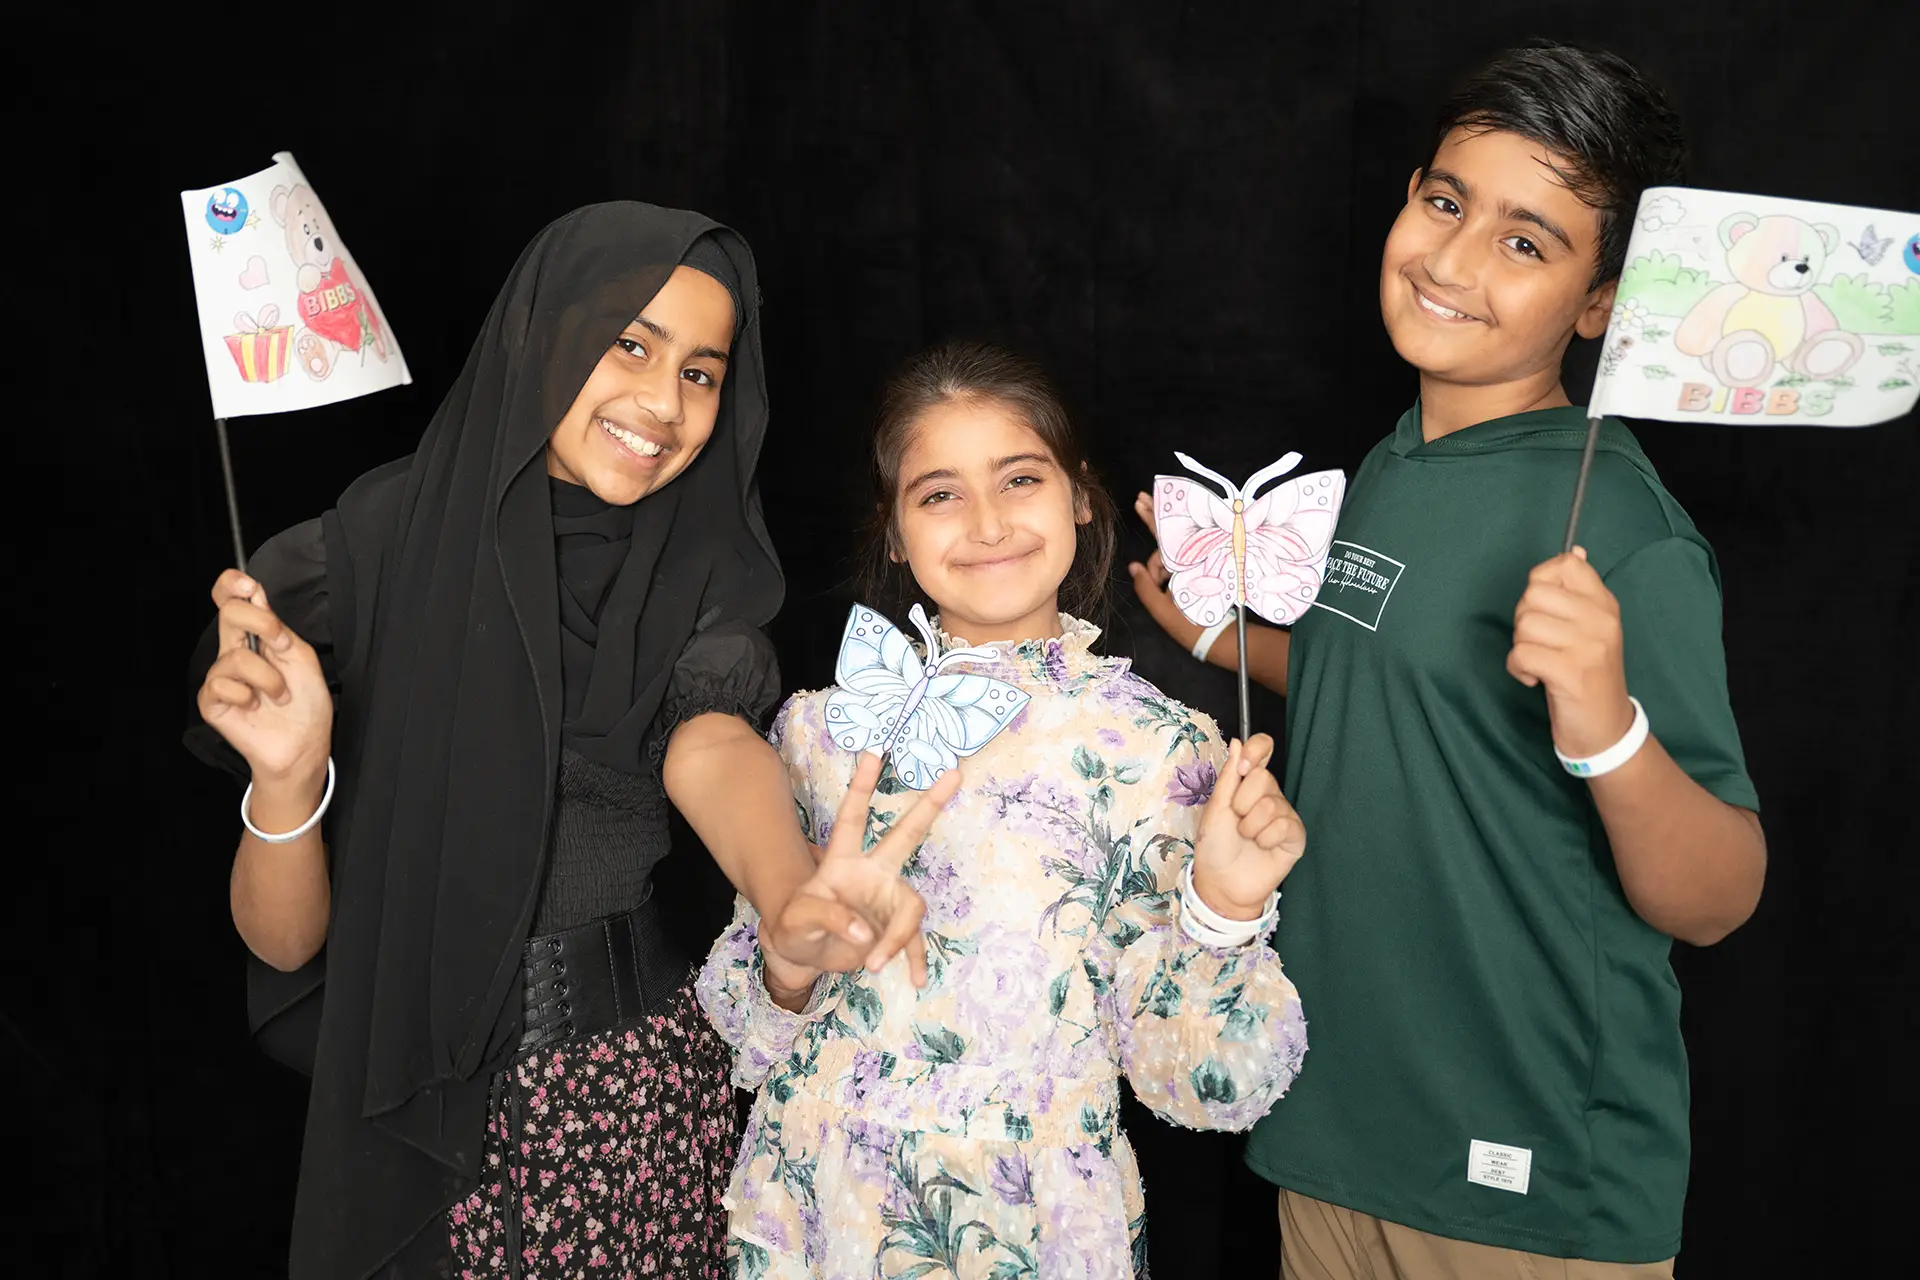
[
  {"x": 982, "y": 372},
  {"x": 1613, "y": 130}
]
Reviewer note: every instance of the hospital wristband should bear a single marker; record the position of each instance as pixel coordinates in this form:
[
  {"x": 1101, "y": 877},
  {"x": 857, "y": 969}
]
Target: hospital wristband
[
  {"x": 1204, "y": 645},
  {"x": 1208, "y": 927},
  {"x": 1614, "y": 756}
]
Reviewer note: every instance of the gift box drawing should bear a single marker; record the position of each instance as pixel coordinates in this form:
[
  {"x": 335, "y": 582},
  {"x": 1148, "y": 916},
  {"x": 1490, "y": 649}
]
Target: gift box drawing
[{"x": 260, "y": 347}]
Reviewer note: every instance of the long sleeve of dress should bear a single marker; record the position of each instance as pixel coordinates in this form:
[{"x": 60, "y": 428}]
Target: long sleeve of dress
[
  {"x": 731, "y": 986},
  {"x": 1209, "y": 1037}
]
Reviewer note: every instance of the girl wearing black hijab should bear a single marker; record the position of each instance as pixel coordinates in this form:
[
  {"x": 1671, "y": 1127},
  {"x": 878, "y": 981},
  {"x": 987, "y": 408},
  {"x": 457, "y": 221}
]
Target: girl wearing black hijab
[{"x": 490, "y": 668}]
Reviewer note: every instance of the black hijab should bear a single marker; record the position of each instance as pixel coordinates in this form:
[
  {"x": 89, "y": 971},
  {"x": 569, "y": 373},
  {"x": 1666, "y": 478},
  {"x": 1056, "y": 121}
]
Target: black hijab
[{"x": 449, "y": 615}]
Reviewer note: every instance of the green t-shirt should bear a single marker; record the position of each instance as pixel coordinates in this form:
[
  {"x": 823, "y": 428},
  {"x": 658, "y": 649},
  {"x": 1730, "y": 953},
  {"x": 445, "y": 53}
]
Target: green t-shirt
[{"x": 1495, "y": 1050}]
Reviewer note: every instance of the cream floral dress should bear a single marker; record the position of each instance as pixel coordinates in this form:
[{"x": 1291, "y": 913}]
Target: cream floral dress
[{"x": 969, "y": 1130}]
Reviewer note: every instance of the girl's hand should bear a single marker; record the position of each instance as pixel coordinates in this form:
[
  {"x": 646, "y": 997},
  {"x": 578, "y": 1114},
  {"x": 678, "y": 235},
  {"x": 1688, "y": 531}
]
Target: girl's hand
[
  {"x": 856, "y": 893},
  {"x": 272, "y": 706},
  {"x": 1150, "y": 585},
  {"x": 1250, "y": 837}
]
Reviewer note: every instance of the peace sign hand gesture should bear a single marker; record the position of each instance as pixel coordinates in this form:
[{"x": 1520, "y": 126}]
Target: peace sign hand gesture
[{"x": 855, "y": 892}]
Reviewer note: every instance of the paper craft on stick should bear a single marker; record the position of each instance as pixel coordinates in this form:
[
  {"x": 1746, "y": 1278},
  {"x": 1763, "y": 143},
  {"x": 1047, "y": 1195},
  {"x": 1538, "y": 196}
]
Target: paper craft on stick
[
  {"x": 1749, "y": 310},
  {"x": 286, "y": 319},
  {"x": 263, "y": 248},
  {"x": 1267, "y": 553},
  {"x": 921, "y": 715},
  {"x": 1236, "y": 550}
]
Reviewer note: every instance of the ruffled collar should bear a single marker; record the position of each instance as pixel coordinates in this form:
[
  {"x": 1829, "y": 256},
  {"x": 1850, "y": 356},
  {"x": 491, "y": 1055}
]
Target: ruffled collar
[{"x": 1065, "y": 662}]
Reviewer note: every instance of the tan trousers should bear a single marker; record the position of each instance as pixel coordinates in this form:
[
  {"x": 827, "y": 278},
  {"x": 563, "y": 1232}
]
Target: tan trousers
[{"x": 1320, "y": 1241}]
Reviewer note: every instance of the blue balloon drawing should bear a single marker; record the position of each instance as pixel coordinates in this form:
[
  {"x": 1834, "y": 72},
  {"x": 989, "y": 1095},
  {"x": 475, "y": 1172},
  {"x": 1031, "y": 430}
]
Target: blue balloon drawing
[
  {"x": 227, "y": 210},
  {"x": 1912, "y": 254}
]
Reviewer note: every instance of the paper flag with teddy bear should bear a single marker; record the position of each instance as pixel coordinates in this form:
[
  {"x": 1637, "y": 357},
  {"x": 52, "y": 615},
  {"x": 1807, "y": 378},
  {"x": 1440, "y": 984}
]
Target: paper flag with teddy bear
[
  {"x": 286, "y": 319},
  {"x": 1752, "y": 310}
]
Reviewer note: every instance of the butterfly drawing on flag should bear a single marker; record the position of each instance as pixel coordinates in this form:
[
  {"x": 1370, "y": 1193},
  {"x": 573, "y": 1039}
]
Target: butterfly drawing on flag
[
  {"x": 1871, "y": 247},
  {"x": 1237, "y": 547},
  {"x": 922, "y": 715}
]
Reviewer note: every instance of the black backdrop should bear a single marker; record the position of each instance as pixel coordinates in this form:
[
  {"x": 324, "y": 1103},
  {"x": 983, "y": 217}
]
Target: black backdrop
[{"x": 1179, "y": 207}]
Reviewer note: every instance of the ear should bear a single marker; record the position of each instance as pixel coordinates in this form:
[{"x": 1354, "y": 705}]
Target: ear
[
  {"x": 1599, "y": 309},
  {"x": 1082, "y": 504},
  {"x": 1735, "y": 225},
  {"x": 278, "y": 203},
  {"x": 1413, "y": 183},
  {"x": 1829, "y": 235}
]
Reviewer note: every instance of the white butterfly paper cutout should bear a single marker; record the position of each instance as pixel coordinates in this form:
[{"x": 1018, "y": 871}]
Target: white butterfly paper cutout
[
  {"x": 917, "y": 713},
  {"x": 1267, "y": 553}
]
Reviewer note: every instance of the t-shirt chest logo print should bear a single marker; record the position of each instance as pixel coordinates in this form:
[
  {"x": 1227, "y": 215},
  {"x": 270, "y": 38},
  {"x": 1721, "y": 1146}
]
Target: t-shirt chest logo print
[{"x": 1358, "y": 583}]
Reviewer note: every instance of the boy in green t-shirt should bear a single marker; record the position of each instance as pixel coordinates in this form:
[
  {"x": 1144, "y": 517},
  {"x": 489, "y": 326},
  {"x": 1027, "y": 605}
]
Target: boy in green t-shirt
[{"x": 1480, "y": 935}]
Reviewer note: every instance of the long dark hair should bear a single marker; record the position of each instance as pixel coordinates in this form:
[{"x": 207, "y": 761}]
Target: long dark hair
[{"x": 981, "y": 371}]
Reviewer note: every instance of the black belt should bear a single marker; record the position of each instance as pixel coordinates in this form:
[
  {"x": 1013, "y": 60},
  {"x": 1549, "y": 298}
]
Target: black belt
[{"x": 598, "y": 976}]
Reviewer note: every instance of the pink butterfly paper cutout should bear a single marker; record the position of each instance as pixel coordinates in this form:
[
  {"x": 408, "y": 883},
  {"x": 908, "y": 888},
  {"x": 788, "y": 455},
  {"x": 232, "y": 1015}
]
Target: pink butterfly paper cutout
[{"x": 1267, "y": 553}]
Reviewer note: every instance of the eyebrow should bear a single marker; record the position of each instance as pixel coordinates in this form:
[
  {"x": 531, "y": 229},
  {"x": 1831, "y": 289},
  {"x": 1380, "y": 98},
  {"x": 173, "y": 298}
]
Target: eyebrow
[
  {"x": 1506, "y": 210},
  {"x": 999, "y": 464},
  {"x": 666, "y": 335}
]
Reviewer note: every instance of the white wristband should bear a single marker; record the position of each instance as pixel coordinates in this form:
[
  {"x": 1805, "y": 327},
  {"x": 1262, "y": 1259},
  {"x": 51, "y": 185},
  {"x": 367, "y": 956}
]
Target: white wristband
[
  {"x": 325, "y": 800},
  {"x": 1614, "y": 756},
  {"x": 1206, "y": 926},
  {"x": 1204, "y": 645}
]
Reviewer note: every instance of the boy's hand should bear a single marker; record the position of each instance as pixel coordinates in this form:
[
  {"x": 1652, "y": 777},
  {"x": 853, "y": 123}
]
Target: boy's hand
[
  {"x": 1566, "y": 636},
  {"x": 1150, "y": 585},
  {"x": 1249, "y": 837}
]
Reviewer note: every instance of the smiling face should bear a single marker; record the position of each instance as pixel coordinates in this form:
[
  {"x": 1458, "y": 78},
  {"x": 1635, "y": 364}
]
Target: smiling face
[
  {"x": 649, "y": 407},
  {"x": 986, "y": 520},
  {"x": 1487, "y": 272}
]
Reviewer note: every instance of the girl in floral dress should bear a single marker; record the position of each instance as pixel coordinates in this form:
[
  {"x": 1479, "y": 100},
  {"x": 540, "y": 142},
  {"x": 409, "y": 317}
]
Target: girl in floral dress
[{"x": 1098, "y": 892}]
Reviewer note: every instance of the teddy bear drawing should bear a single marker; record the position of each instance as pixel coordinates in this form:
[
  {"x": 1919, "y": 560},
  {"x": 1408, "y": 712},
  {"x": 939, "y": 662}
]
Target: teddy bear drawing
[
  {"x": 334, "y": 309},
  {"x": 1768, "y": 314}
]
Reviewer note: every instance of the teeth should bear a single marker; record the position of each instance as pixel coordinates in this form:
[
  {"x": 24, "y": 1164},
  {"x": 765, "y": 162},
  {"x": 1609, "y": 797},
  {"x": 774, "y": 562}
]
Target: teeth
[
  {"x": 1439, "y": 310},
  {"x": 639, "y": 444}
]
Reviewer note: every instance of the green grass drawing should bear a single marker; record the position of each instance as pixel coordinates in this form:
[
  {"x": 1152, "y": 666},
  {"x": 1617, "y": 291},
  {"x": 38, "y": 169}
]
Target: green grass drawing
[
  {"x": 1893, "y": 384},
  {"x": 1903, "y": 308},
  {"x": 1656, "y": 372},
  {"x": 1664, "y": 284},
  {"x": 1859, "y": 305}
]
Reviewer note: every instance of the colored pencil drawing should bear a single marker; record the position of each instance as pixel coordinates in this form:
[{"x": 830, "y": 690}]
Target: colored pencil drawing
[
  {"x": 1759, "y": 308},
  {"x": 335, "y": 310}
]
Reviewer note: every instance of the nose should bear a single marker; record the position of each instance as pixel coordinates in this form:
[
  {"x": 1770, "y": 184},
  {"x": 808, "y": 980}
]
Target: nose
[
  {"x": 319, "y": 245},
  {"x": 990, "y": 523},
  {"x": 1455, "y": 261},
  {"x": 657, "y": 391},
  {"x": 1802, "y": 267}
]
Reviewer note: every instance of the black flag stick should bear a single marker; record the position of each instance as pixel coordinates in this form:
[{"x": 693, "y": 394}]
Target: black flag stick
[
  {"x": 1573, "y": 516},
  {"x": 233, "y": 512},
  {"x": 1240, "y": 635},
  {"x": 233, "y": 499}
]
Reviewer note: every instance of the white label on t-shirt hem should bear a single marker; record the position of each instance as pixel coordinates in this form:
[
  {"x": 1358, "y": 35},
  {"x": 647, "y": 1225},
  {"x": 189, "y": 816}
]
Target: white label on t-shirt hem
[{"x": 1505, "y": 1168}]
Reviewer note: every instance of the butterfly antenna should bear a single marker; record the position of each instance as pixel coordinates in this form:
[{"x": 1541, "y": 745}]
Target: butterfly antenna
[
  {"x": 918, "y": 617},
  {"x": 1270, "y": 472},
  {"x": 1231, "y": 489}
]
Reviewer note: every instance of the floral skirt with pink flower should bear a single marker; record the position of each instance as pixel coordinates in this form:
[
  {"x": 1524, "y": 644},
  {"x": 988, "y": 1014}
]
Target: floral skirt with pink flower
[{"x": 619, "y": 1147}]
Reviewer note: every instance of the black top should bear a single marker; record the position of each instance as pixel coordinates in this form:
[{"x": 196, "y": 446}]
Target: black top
[{"x": 609, "y": 826}]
